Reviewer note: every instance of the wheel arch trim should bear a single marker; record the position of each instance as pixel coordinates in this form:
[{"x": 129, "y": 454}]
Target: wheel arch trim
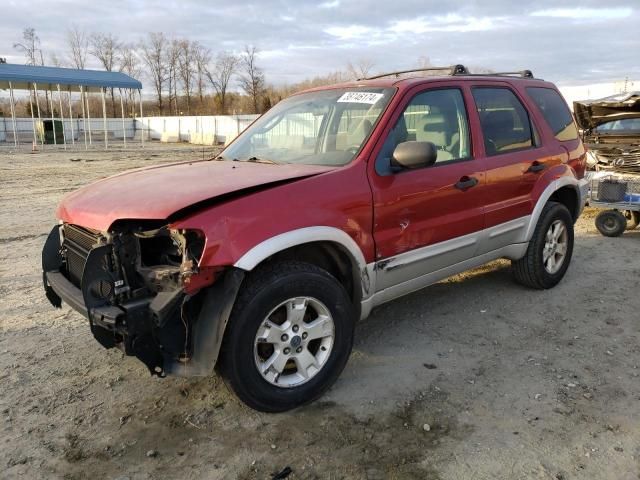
[
  {"x": 293, "y": 238},
  {"x": 557, "y": 184}
]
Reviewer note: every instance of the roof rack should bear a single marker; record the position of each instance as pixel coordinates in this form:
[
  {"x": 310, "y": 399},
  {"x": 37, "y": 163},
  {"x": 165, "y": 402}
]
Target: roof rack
[
  {"x": 453, "y": 70},
  {"x": 520, "y": 73}
]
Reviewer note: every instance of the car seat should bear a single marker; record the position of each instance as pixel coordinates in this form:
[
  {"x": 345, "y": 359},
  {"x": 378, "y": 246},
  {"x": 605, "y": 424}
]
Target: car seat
[{"x": 500, "y": 132}]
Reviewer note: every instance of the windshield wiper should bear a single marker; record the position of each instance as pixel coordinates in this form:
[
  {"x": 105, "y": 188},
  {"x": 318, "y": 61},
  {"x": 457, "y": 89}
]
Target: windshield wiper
[
  {"x": 250, "y": 159},
  {"x": 260, "y": 160}
]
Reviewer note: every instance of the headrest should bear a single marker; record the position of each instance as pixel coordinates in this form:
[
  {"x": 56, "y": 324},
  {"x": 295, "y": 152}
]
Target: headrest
[
  {"x": 431, "y": 128},
  {"x": 433, "y": 120}
]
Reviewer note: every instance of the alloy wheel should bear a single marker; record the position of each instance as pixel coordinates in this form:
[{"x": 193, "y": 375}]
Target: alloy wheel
[
  {"x": 294, "y": 342},
  {"x": 555, "y": 247}
]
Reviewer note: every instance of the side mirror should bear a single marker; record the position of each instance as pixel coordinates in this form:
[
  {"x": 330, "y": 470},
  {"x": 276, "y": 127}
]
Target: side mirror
[{"x": 414, "y": 155}]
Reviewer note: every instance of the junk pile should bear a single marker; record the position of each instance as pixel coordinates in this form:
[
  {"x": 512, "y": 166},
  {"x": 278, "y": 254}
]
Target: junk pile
[{"x": 611, "y": 132}]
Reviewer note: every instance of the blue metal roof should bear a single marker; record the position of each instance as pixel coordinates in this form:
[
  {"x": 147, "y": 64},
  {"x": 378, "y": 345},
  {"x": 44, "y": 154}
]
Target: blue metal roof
[{"x": 24, "y": 76}]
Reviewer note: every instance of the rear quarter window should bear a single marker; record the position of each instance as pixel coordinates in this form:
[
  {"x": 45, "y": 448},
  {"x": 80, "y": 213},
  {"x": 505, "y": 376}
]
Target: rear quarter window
[{"x": 555, "y": 112}]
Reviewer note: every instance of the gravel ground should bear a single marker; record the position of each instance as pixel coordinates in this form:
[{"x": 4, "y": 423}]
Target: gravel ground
[{"x": 472, "y": 378}]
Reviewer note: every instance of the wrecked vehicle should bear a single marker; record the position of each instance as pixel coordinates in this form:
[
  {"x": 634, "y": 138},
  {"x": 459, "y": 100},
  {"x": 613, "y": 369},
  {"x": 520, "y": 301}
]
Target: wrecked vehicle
[
  {"x": 259, "y": 262},
  {"x": 611, "y": 131}
]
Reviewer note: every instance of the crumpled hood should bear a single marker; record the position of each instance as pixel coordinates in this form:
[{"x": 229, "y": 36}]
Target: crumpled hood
[
  {"x": 591, "y": 113},
  {"x": 154, "y": 193}
]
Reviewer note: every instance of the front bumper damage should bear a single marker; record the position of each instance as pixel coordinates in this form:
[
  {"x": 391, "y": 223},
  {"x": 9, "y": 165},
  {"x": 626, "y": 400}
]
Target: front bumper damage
[
  {"x": 620, "y": 158},
  {"x": 170, "y": 316}
]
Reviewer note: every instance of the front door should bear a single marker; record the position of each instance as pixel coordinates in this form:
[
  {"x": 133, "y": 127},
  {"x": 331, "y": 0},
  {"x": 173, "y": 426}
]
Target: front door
[{"x": 428, "y": 218}]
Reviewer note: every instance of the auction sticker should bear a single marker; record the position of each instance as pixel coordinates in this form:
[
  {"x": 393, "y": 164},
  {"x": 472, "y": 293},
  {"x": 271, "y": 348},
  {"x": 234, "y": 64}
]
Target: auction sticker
[{"x": 360, "y": 97}]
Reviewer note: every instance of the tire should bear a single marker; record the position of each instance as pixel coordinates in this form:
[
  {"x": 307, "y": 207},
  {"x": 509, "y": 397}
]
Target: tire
[
  {"x": 536, "y": 269},
  {"x": 265, "y": 308},
  {"x": 633, "y": 219},
  {"x": 611, "y": 223}
]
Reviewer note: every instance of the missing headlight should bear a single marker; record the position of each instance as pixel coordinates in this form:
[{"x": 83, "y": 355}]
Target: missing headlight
[{"x": 166, "y": 257}]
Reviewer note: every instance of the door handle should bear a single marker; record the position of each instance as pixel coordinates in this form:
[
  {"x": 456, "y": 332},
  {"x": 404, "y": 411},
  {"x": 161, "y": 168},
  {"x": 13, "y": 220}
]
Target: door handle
[
  {"x": 536, "y": 167},
  {"x": 466, "y": 183}
]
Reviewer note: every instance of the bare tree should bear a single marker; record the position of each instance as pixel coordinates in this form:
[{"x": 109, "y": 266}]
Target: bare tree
[
  {"x": 153, "y": 54},
  {"x": 105, "y": 49},
  {"x": 187, "y": 68},
  {"x": 172, "y": 56},
  {"x": 225, "y": 67},
  {"x": 203, "y": 57},
  {"x": 129, "y": 63},
  {"x": 78, "y": 43},
  {"x": 128, "y": 60},
  {"x": 361, "y": 69},
  {"x": 30, "y": 46},
  {"x": 252, "y": 78},
  {"x": 331, "y": 78}
]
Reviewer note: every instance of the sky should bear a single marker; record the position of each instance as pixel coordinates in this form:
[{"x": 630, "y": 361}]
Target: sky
[{"x": 570, "y": 43}]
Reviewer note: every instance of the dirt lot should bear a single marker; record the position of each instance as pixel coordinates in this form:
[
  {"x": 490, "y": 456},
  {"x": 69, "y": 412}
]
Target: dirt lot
[{"x": 512, "y": 383}]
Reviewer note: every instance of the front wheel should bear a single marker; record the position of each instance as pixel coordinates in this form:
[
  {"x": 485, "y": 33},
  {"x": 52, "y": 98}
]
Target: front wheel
[
  {"x": 549, "y": 251},
  {"x": 289, "y": 336}
]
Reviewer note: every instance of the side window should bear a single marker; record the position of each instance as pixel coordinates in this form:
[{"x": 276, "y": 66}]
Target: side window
[
  {"x": 504, "y": 120},
  {"x": 555, "y": 112},
  {"x": 436, "y": 116}
]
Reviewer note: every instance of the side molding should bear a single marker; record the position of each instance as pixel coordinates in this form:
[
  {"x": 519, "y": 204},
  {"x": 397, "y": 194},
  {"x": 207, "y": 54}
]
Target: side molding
[{"x": 385, "y": 295}]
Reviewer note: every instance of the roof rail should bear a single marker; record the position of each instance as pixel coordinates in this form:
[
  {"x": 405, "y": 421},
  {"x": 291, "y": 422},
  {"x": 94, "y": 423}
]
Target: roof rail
[
  {"x": 521, "y": 73},
  {"x": 454, "y": 70},
  {"x": 451, "y": 70}
]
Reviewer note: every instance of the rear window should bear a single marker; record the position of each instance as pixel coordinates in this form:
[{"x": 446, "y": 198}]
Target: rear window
[
  {"x": 555, "y": 112},
  {"x": 504, "y": 120}
]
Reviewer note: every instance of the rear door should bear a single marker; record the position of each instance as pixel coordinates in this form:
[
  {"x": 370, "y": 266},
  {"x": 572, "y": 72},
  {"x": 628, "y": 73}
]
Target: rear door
[
  {"x": 429, "y": 218},
  {"x": 512, "y": 156}
]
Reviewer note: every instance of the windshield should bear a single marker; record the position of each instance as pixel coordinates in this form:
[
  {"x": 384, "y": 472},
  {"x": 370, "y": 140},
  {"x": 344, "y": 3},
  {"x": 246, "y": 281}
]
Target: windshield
[
  {"x": 627, "y": 125},
  {"x": 326, "y": 127}
]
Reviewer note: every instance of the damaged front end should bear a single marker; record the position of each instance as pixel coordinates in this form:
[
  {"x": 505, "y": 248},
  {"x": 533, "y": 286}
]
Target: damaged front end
[{"x": 143, "y": 291}]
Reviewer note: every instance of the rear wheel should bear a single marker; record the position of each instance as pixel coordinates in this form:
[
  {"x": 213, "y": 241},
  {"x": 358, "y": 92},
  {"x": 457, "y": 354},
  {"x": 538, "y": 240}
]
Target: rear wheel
[
  {"x": 611, "y": 223},
  {"x": 549, "y": 251},
  {"x": 289, "y": 336}
]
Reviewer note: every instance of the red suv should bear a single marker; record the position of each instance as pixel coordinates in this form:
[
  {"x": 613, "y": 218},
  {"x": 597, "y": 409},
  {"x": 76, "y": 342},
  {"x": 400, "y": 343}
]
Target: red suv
[{"x": 338, "y": 199}]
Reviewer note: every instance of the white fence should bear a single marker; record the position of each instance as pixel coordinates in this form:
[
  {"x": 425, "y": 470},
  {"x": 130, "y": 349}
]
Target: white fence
[
  {"x": 201, "y": 130},
  {"x": 209, "y": 130}
]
